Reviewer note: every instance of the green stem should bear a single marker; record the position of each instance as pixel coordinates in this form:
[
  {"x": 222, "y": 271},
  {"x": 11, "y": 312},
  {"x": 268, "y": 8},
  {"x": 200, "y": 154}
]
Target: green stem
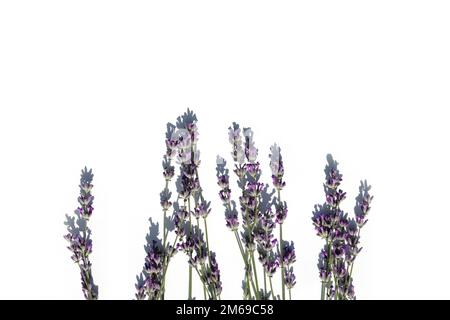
[
  {"x": 247, "y": 266},
  {"x": 166, "y": 267},
  {"x": 165, "y": 217},
  {"x": 283, "y": 293},
  {"x": 265, "y": 283},
  {"x": 322, "y": 292},
  {"x": 254, "y": 271},
  {"x": 206, "y": 234},
  {"x": 271, "y": 288},
  {"x": 190, "y": 234},
  {"x": 351, "y": 267}
]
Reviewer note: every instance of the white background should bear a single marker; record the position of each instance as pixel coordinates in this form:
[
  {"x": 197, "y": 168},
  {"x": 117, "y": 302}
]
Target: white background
[{"x": 95, "y": 82}]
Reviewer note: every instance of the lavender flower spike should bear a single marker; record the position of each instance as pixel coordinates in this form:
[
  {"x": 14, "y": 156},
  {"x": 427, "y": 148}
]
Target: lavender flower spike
[
  {"x": 79, "y": 235},
  {"x": 277, "y": 167}
]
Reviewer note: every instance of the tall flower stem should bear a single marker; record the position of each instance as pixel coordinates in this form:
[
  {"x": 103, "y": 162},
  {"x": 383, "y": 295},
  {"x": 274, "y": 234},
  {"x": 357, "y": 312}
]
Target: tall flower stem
[
  {"x": 283, "y": 294},
  {"x": 206, "y": 234},
  {"x": 165, "y": 217},
  {"x": 247, "y": 265},
  {"x": 265, "y": 283},
  {"x": 271, "y": 288},
  {"x": 190, "y": 234},
  {"x": 254, "y": 271},
  {"x": 166, "y": 268},
  {"x": 322, "y": 292}
]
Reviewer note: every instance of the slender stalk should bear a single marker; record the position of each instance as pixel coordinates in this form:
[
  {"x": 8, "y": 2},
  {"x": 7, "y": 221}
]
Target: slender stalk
[
  {"x": 190, "y": 234},
  {"x": 206, "y": 234},
  {"x": 271, "y": 288},
  {"x": 204, "y": 284},
  {"x": 165, "y": 217},
  {"x": 283, "y": 294},
  {"x": 254, "y": 270},
  {"x": 322, "y": 292},
  {"x": 351, "y": 267},
  {"x": 200, "y": 276},
  {"x": 247, "y": 266},
  {"x": 166, "y": 267},
  {"x": 204, "y": 287},
  {"x": 265, "y": 283}
]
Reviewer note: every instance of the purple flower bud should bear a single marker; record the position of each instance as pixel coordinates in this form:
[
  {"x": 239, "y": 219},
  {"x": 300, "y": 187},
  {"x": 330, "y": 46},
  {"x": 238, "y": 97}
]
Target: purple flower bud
[
  {"x": 169, "y": 172},
  {"x": 235, "y": 138},
  {"x": 171, "y": 145},
  {"x": 254, "y": 189},
  {"x": 240, "y": 171},
  {"x": 289, "y": 278},
  {"x": 277, "y": 167},
  {"x": 252, "y": 169},
  {"x": 288, "y": 254},
  {"x": 223, "y": 181},
  {"x": 202, "y": 210},
  {"x": 166, "y": 204},
  {"x": 232, "y": 222},
  {"x": 271, "y": 265},
  {"x": 281, "y": 212},
  {"x": 225, "y": 195},
  {"x": 251, "y": 152}
]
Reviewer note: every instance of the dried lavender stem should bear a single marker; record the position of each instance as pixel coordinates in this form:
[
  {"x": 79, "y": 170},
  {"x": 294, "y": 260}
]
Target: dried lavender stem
[
  {"x": 329, "y": 266},
  {"x": 282, "y": 254},
  {"x": 282, "y": 264},
  {"x": 200, "y": 276},
  {"x": 254, "y": 271},
  {"x": 247, "y": 266},
  {"x": 352, "y": 264},
  {"x": 271, "y": 288},
  {"x": 206, "y": 235},
  {"x": 322, "y": 292},
  {"x": 265, "y": 282},
  {"x": 166, "y": 267},
  {"x": 165, "y": 217},
  {"x": 190, "y": 234}
]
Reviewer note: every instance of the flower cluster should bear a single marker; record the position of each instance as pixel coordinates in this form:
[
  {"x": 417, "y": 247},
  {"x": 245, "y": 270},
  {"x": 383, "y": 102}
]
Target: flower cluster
[
  {"x": 79, "y": 237},
  {"x": 258, "y": 219},
  {"x": 341, "y": 234},
  {"x": 204, "y": 262},
  {"x": 181, "y": 147}
]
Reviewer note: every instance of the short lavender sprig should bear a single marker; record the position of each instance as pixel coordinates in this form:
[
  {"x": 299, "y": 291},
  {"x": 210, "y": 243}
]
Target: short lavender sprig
[
  {"x": 341, "y": 235},
  {"x": 79, "y": 237},
  {"x": 204, "y": 262}
]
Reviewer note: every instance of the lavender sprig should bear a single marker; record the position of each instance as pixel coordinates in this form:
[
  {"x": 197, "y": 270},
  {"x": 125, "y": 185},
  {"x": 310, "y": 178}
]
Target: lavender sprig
[
  {"x": 341, "y": 235},
  {"x": 287, "y": 258},
  {"x": 191, "y": 203},
  {"x": 258, "y": 218},
  {"x": 79, "y": 235}
]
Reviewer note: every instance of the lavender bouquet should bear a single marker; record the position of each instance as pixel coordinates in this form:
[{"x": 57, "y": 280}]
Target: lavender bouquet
[
  {"x": 188, "y": 220},
  {"x": 256, "y": 222},
  {"x": 261, "y": 213},
  {"x": 79, "y": 235},
  {"x": 341, "y": 235}
]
